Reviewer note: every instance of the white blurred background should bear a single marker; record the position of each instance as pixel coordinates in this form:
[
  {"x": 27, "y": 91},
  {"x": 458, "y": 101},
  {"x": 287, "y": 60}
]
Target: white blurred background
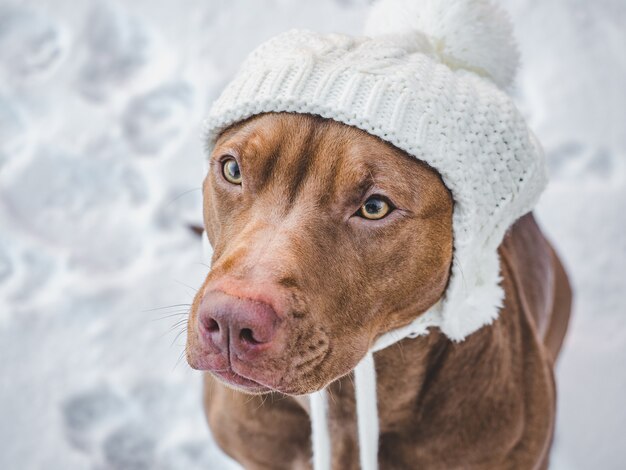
[{"x": 101, "y": 154}]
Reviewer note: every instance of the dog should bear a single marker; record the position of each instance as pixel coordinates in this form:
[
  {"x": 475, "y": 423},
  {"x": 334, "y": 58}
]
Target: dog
[{"x": 325, "y": 237}]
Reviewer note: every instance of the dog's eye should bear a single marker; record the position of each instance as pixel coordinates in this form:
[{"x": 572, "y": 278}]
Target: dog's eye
[
  {"x": 230, "y": 169},
  {"x": 374, "y": 208}
]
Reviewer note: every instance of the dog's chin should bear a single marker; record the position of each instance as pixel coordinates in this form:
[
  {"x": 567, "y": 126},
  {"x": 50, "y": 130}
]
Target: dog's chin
[
  {"x": 240, "y": 383},
  {"x": 248, "y": 386}
]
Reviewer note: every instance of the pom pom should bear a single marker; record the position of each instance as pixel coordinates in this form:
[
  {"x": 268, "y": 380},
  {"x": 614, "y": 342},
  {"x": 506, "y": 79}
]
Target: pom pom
[{"x": 474, "y": 35}]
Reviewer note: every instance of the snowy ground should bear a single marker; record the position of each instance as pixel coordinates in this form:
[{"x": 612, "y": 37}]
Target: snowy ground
[{"x": 100, "y": 169}]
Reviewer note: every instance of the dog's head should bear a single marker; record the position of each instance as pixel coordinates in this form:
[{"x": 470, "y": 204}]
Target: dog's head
[{"x": 324, "y": 237}]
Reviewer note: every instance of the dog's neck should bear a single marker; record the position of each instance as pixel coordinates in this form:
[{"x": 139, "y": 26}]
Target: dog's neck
[{"x": 428, "y": 384}]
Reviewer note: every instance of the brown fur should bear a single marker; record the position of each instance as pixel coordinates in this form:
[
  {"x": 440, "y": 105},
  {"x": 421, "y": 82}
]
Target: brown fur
[{"x": 286, "y": 238}]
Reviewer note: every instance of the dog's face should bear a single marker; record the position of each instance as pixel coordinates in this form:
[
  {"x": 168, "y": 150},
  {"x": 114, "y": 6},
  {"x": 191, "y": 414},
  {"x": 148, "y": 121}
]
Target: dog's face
[{"x": 324, "y": 237}]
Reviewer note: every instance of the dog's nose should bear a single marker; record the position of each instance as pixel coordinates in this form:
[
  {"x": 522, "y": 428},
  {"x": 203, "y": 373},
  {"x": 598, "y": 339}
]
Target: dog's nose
[{"x": 242, "y": 326}]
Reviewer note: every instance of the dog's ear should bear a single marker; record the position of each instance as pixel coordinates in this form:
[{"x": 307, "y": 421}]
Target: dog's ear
[{"x": 196, "y": 229}]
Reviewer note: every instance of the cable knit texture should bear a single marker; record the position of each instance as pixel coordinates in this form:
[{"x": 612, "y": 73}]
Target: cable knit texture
[{"x": 402, "y": 88}]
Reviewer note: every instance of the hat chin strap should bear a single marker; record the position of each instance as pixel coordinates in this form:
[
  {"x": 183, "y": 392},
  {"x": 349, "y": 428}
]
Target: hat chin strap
[{"x": 366, "y": 401}]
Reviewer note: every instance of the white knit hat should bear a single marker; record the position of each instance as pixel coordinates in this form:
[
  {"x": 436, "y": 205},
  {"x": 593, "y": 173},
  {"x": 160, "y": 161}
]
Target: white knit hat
[{"x": 429, "y": 79}]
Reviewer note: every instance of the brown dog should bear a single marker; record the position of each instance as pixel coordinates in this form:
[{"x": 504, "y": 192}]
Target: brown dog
[{"x": 324, "y": 238}]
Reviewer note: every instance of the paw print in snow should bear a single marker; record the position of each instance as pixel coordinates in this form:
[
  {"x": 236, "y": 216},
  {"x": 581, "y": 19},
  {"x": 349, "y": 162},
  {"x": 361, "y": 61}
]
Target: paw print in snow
[
  {"x": 193, "y": 456},
  {"x": 146, "y": 426},
  {"x": 31, "y": 44},
  {"x": 154, "y": 123},
  {"x": 573, "y": 161},
  {"x": 88, "y": 416},
  {"x": 79, "y": 209},
  {"x": 129, "y": 448},
  {"x": 119, "y": 55}
]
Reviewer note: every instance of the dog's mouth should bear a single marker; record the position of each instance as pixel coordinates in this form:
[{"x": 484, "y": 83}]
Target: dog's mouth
[{"x": 234, "y": 380}]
